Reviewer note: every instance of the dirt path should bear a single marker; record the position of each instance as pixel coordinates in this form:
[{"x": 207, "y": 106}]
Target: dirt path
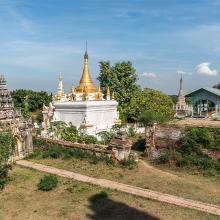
[{"x": 162, "y": 197}]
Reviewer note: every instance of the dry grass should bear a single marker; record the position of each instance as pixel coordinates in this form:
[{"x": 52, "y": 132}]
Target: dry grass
[
  {"x": 73, "y": 200},
  {"x": 183, "y": 184}
]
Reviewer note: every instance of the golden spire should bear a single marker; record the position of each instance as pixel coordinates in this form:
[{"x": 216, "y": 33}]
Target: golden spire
[
  {"x": 86, "y": 79},
  {"x": 113, "y": 95}
]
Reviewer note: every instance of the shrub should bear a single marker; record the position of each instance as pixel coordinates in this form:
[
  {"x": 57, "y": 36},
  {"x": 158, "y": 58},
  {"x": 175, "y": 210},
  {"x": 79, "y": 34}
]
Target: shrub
[
  {"x": 129, "y": 163},
  {"x": 132, "y": 132},
  {"x": 106, "y": 137},
  {"x": 53, "y": 152},
  {"x": 7, "y": 146},
  {"x": 190, "y": 154},
  {"x": 168, "y": 156},
  {"x": 3, "y": 175},
  {"x": 69, "y": 134},
  {"x": 87, "y": 139},
  {"x": 47, "y": 183}
]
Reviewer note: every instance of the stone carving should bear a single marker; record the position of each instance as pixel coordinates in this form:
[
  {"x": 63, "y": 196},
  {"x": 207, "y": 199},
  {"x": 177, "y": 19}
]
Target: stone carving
[
  {"x": 47, "y": 117},
  {"x": 14, "y": 123},
  {"x": 120, "y": 146},
  {"x": 22, "y": 131}
]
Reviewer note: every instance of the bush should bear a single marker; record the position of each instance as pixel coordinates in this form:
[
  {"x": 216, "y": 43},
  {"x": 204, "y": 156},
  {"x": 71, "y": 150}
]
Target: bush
[
  {"x": 129, "y": 163},
  {"x": 47, "y": 183},
  {"x": 87, "y": 139},
  {"x": 3, "y": 175},
  {"x": 132, "y": 132},
  {"x": 69, "y": 134},
  {"x": 7, "y": 147},
  {"x": 53, "y": 152},
  {"x": 168, "y": 156},
  {"x": 190, "y": 154},
  {"x": 106, "y": 137}
]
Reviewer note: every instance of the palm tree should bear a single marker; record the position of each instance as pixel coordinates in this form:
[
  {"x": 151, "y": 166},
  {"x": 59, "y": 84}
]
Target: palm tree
[{"x": 149, "y": 120}]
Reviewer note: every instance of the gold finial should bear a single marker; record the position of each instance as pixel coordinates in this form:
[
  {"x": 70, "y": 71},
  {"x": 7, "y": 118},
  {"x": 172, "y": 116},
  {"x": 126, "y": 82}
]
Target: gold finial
[
  {"x": 108, "y": 92},
  {"x": 113, "y": 95},
  {"x": 99, "y": 94},
  {"x": 86, "y": 79}
]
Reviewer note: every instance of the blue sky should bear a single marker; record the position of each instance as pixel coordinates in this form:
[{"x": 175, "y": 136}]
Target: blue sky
[{"x": 162, "y": 38}]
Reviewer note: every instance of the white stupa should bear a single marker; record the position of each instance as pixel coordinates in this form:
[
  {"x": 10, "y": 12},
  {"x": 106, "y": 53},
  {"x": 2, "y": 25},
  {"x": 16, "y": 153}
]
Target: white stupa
[{"x": 85, "y": 106}]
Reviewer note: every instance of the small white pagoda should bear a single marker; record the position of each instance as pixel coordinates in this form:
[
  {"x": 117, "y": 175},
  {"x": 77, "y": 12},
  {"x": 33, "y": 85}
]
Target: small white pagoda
[
  {"x": 181, "y": 107},
  {"x": 85, "y": 107}
]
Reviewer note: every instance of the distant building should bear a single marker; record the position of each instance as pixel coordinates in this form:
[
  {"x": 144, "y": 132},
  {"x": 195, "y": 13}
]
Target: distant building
[
  {"x": 181, "y": 107},
  {"x": 205, "y": 101}
]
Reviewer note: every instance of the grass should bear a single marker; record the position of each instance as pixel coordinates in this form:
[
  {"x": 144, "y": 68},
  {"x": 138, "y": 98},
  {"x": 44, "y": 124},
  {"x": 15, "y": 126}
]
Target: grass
[
  {"x": 74, "y": 200},
  {"x": 159, "y": 178}
]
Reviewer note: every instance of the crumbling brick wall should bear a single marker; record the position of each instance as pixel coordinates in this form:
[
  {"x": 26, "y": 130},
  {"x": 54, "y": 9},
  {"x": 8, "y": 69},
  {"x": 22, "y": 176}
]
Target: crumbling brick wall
[{"x": 168, "y": 136}]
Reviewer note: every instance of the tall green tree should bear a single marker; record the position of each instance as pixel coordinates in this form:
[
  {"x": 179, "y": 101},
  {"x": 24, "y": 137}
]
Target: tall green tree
[
  {"x": 148, "y": 99},
  {"x": 121, "y": 78}
]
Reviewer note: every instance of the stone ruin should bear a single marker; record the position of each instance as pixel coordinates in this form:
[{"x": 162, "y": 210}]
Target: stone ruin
[
  {"x": 47, "y": 112},
  {"x": 120, "y": 146},
  {"x": 12, "y": 121}
]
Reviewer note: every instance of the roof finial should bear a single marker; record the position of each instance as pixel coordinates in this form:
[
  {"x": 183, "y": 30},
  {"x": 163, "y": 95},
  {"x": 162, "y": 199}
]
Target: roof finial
[{"x": 86, "y": 53}]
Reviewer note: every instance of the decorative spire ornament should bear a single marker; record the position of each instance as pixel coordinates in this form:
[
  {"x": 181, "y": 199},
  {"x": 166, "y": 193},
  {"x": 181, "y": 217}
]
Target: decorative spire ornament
[
  {"x": 99, "y": 94},
  {"x": 86, "y": 79},
  {"x": 60, "y": 89},
  {"x": 113, "y": 95},
  {"x": 72, "y": 94},
  {"x": 108, "y": 95}
]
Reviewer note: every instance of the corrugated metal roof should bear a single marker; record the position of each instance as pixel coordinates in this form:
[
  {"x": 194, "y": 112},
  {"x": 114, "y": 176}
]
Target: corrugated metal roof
[{"x": 209, "y": 89}]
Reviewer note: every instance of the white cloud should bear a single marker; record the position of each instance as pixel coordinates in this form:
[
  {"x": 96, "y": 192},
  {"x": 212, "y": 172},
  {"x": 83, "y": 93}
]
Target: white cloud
[
  {"x": 149, "y": 75},
  {"x": 181, "y": 72},
  {"x": 204, "y": 69}
]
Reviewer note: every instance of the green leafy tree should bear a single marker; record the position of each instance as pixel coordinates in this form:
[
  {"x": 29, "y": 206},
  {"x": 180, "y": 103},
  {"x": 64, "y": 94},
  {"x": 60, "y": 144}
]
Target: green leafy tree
[
  {"x": 149, "y": 120},
  {"x": 148, "y": 99},
  {"x": 121, "y": 78},
  {"x": 33, "y": 99},
  {"x": 7, "y": 146}
]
